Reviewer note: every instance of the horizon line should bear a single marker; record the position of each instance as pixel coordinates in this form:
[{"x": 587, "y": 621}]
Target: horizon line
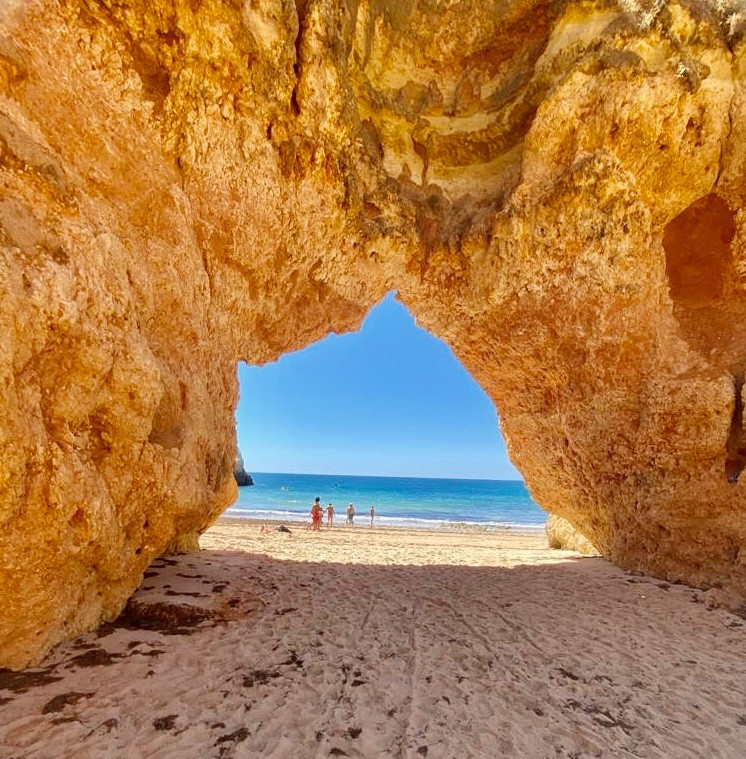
[{"x": 386, "y": 476}]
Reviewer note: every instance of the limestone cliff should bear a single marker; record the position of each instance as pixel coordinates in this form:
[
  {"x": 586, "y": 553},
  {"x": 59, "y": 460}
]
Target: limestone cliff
[
  {"x": 554, "y": 187},
  {"x": 242, "y": 477}
]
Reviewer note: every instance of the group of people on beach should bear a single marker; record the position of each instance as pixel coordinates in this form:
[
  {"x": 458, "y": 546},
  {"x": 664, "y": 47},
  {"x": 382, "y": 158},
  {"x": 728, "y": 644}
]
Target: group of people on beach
[{"x": 317, "y": 515}]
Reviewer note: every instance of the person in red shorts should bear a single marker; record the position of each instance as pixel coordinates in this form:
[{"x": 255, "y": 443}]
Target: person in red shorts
[{"x": 316, "y": 514}]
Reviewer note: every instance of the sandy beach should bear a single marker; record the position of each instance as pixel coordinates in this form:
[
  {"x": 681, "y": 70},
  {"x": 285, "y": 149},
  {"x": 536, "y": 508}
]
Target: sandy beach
[{"x": 367, "y": 642}]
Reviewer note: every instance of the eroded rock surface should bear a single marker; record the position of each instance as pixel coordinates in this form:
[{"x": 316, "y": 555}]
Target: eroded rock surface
[
  {"x": 554, "y": 188},
  {"x": 561, "y": 534}
]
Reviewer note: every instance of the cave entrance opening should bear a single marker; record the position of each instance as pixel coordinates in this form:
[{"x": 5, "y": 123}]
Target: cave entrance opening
[{"x": 384, "y": 417}]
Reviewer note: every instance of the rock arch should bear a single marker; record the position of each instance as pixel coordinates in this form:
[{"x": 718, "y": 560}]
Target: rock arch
[{"x": 184, "y": 185}]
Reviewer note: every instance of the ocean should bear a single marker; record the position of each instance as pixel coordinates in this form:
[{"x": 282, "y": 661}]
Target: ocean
[{"x": 399, "y": 501}]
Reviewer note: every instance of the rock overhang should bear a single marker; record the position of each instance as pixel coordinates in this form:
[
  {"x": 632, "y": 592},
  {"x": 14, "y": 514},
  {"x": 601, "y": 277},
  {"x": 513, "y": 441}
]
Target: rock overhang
[{"x": 187, "y": 185}]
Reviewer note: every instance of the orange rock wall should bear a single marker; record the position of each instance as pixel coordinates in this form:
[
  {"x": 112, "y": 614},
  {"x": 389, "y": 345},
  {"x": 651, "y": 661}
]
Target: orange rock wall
[{"x": 554, "y": 188}]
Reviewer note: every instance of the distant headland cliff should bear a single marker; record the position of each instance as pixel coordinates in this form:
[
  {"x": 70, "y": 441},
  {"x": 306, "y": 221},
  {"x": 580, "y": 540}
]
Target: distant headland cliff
[{"x": 239, "y": 472}]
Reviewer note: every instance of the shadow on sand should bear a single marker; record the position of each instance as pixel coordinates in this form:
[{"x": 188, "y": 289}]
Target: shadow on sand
[{"x": 225, "y": 653}]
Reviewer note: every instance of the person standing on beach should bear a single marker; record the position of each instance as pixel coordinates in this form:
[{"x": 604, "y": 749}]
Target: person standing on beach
[
  {"x": 316, "y": 515},
  {"x": 372, "y": 514},
  {"x": 350, "y": 513},
  {"x": 329, "y": 515}
]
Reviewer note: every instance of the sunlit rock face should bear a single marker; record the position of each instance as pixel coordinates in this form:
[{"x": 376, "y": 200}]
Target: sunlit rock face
[
  {"x": 554, "y": 188},
  {"x": 561, "y": 534}
]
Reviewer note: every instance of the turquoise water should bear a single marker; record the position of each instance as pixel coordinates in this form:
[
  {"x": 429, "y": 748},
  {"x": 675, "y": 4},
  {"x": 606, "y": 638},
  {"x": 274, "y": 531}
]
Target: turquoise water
[{"x": 399, "y": 501}]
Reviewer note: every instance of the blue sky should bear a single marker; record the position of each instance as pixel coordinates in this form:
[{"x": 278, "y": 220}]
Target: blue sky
[{"x": 388, "y": 400}]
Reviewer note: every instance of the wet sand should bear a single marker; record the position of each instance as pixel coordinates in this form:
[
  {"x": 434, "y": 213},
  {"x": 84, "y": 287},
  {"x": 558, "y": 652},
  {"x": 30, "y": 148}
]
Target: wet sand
[{"x": 389, "y": 643}]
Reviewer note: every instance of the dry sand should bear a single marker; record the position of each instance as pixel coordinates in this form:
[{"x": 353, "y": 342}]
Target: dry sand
[{"x": 389, "y": 643}]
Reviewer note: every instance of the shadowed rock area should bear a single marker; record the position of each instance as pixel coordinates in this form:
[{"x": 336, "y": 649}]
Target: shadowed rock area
[{"x": 553, "y": 188}]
